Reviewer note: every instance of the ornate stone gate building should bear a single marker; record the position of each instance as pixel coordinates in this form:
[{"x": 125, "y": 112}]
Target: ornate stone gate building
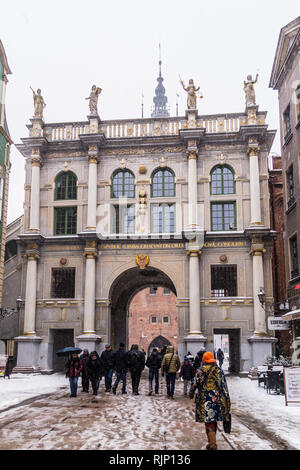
[{"x": 112, "y": 207}]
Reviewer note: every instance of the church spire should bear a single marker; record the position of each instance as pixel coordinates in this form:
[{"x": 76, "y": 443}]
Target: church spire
[{"x": 160, "y": 100}]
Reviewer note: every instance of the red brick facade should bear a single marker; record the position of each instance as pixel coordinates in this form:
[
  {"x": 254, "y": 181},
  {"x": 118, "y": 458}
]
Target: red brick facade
[{"x": 147, "y": 307}]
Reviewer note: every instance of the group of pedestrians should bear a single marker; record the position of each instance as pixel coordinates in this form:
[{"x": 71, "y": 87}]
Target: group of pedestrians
[{"x": 200, "y": 374}]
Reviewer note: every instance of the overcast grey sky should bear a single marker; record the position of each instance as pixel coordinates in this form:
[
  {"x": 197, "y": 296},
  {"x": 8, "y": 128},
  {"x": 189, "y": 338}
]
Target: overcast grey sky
[{"x": 66, "y": 46}]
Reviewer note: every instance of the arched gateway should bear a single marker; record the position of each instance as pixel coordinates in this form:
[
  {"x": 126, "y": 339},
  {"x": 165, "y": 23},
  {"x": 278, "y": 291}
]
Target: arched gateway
[{"x": 122, "y": 291}]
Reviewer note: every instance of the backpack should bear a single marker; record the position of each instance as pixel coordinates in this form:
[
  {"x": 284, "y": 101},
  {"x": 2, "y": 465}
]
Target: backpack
[{"x": 134, "y": 362}]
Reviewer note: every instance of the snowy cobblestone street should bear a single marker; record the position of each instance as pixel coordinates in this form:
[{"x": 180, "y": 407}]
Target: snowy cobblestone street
[{"x": 37, "y": 413}]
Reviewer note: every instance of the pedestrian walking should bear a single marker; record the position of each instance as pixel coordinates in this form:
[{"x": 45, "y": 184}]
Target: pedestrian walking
[
  {"x": 190, "y": 357},
  {"x": 169, "y": 366},
  {"x": 220, "y": 357},
  {"x": 187, "y": 373},
  {"x": 212, "y": 399},
  {"x": 95, "y": 371},
  {"x": 108, "y": 365},
  {"x": 136, "y": 364},
  {"x": 198, "y": 359},
  {"x": 84, "y": 375},
  {"x": 120, "y": 366},
  {"x": 153, "y": 363},
  {"x": 73, "y": 370}
]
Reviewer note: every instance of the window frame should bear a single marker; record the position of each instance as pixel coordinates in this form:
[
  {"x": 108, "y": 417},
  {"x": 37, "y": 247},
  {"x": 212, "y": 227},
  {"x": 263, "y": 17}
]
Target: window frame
[
  {"x": 294, "y": 267},
  {"x": 222, "y": 203},
  {"x": 68, "y": 175},
  {"x": 66, "y": 232},
  {"x": 219, "y": 267},
  {"x": 163, "y": 221},
  {"x": 163, "y": 170},
  {"x": 71, "y": 270},
  {"x": 222, "y": 168},
  {"x": 118, "y": 215},
  {"x": 122, "y": 171}
]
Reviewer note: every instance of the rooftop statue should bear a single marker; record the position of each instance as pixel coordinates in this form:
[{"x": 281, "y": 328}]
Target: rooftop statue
[
  {"x": 93, "y": 104},
  {"x": 39, "y": 103},
  {"x": 249, "y": 90},
  {"x": 191, "y": 91}
]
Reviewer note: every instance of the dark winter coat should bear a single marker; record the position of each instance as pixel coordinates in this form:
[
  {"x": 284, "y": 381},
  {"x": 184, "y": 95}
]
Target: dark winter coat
[
  {"x": 220, "y": 355},
  {"x": 94, "y": 367},
  {"x": 107, "y": 358},
  {"x": 120, "y": 358},
  {"x": 84, "y": 360},
  {"x": 187, "y": 371},
  {"x": 154, "y": 360},
  {"x": 136, "y": 360},
  {"x": 73, "y": 367},
  {"x": 198, "y": 359}
]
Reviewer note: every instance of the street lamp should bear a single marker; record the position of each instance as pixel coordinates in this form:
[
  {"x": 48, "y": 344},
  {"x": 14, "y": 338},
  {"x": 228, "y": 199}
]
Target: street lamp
[
  {"x": 6, "y": 312},
  {"x": 271, "y": 309}
]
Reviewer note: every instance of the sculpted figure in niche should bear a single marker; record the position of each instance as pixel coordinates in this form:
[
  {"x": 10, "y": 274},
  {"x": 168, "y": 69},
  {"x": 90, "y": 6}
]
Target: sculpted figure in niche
[
  {"x": 39, "y": 103},
  {"x": 93, "y": 104},
  {"x": 249, "y": 90},
  {"x": 191, "y": 91}
]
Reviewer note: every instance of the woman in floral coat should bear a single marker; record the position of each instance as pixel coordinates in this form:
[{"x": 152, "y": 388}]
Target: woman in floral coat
[{"x": 212, "y": 400}]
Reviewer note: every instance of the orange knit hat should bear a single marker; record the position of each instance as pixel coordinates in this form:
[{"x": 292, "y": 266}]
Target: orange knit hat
[{"x": 208, "y": 357}]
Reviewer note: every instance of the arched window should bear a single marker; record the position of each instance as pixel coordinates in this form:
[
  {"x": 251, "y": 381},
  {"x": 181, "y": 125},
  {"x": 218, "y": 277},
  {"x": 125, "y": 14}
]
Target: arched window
[
  {"x": 222, "y": 180},
  {"x": 65, "y": 186},
  {"x": 123, "y": 184},
  {"x": 163, "y": 183}
]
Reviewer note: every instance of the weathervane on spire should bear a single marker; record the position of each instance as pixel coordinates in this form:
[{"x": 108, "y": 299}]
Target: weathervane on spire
[{"x": 160, "y": 100}]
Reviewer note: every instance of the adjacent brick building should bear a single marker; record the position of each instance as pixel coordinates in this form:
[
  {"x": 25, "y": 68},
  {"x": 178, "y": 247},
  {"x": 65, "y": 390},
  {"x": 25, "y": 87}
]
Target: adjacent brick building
[{"x": 153, "y": 319}]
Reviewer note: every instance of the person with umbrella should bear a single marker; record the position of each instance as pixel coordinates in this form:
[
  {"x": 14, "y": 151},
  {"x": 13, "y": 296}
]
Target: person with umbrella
[{"x": 73, "y": 367}]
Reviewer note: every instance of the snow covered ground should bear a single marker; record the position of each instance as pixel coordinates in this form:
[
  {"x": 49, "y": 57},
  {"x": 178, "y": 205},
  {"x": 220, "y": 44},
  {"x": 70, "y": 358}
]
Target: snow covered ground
[{"x": 259, "y": 420}]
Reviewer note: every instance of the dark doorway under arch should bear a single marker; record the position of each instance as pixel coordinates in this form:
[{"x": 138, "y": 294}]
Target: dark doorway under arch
[
  {"x": 159, "y": 342},
  {"x": 122, "y": 291}
]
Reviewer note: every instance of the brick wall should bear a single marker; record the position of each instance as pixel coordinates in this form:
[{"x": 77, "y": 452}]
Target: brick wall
[{"x": 144, "y": 306}]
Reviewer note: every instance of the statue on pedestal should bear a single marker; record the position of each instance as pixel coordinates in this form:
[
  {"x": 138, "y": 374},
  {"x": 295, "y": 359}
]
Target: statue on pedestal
[
  {"x": 191, "y": 91},
  {"x": 249, "y": 90},
  {"x": 39, "y": 104},
  {"x": 93, "y": 104}
]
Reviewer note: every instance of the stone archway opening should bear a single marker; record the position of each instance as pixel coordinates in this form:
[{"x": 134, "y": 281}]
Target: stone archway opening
[{"x": 128, "y": 290}]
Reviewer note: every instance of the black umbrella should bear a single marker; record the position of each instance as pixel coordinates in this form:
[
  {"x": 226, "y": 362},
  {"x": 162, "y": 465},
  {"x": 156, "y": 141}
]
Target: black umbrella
[{"x": 68, "y": 351}]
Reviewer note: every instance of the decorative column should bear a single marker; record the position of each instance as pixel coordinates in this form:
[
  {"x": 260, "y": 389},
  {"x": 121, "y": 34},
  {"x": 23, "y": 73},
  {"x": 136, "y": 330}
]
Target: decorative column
[
  {"x": 192, "y": 156},
  {"x": 36, "y": 161},
  {"x": 261, "y": 342},
  {"x": 253, "y": 152},
  {"x": 89, "y": 339},
  {"x": 29, "y": 342},
  {"x": 92, "y": 187}
]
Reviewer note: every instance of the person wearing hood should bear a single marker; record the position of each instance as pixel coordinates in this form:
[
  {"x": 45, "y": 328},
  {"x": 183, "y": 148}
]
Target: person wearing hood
[
  {"x": 153, "y": 363},
  {"x": 108, "y": 364},
  {"x": 84, "y": 376},
  {"x": 94, "y": 371},
  {"x": 169, "y": 366},
  {"x": 136, "y": 363},
  {"x": 212, "y": 399},
  {"x": 187, "y": 373},
  {"x": 73, "y": 371},
  {"x": 120, "y": 366},
  {"x": 198, "y": 359}
]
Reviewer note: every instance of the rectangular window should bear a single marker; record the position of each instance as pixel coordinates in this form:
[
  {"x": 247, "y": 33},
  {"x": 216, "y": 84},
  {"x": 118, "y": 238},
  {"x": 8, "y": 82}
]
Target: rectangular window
[
  {"x": 287, "y": 122},
  {"x": 166, "y": 319},
  {"x": 224, "y": 281},
  {"x": 290, "y": 186},
  {"x": 163, "y": 218},
  {"x": 223, "y": 216},
  {"x": 65, "y": 220},
  {"x": 294, "y": 257},
  {"x": 63, "y": 283},
  {"x": 298, "y": 102},
  {"x": 153, "y": 290},
  {"x": 123, "y": 219},
  {"x": 167, "y": 291},
  {"x": 154, "y": 319}
]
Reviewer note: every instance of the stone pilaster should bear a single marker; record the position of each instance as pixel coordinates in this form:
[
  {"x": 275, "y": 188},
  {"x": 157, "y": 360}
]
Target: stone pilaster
[
  {"x": 36, "y": 162},
  {"x": 192, "y": 155},
  {"x": 253, "y": 152},
  {"x": 92, "y": 187},
  {"x": 89, "y": 339}
]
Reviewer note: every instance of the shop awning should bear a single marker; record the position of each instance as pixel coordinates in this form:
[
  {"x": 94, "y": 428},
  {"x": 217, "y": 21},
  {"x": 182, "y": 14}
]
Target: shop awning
[{"x": 292, "y": 315}]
